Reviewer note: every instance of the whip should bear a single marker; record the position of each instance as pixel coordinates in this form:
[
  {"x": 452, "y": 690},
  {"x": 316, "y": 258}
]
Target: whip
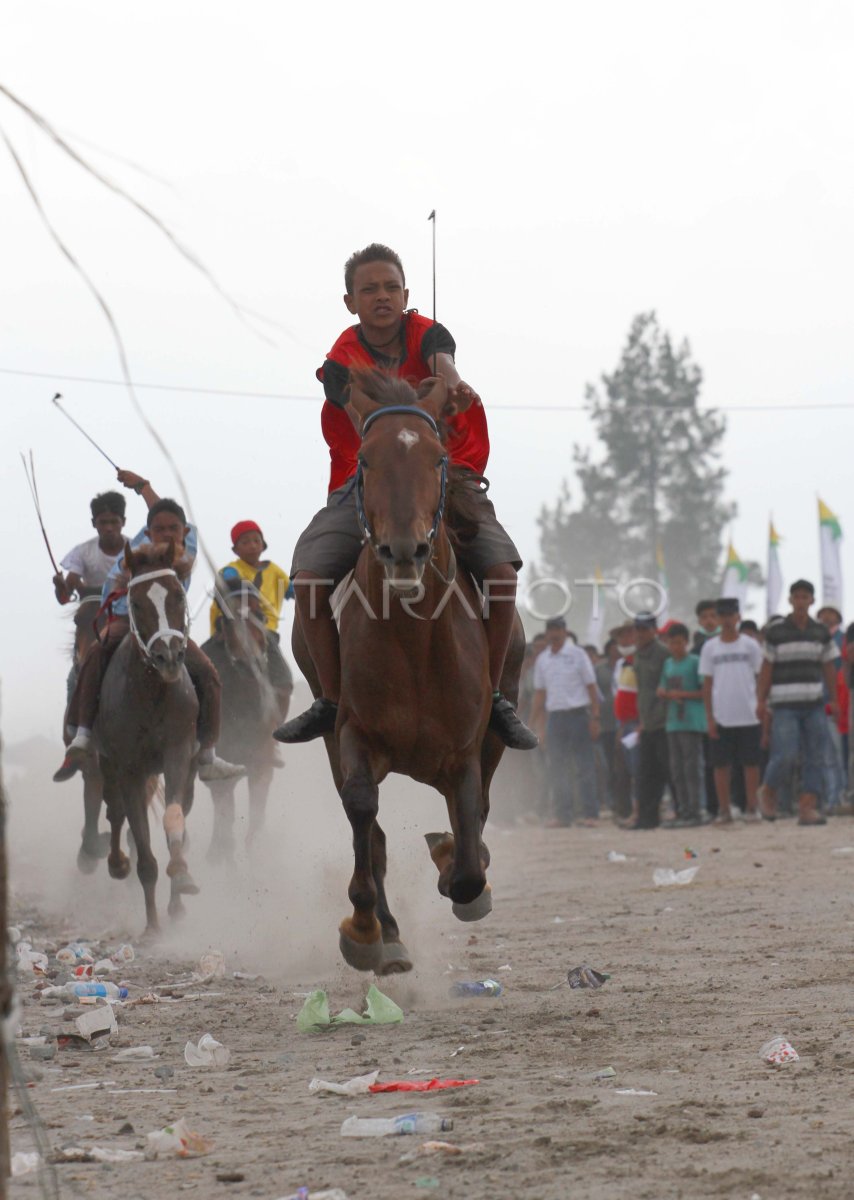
[{"x": 79, "y": 427}]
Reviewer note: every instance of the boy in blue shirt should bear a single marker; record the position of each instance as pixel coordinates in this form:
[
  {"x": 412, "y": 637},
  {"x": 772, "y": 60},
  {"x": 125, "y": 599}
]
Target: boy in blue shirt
[{"x": 682, "y": 688}]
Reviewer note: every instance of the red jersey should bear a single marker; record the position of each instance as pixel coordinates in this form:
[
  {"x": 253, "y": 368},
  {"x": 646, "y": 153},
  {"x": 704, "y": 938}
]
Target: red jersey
[{"x": 468, "y": 435}]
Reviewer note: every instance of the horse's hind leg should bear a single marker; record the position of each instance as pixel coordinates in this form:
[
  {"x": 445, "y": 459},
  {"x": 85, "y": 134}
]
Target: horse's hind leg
[
  {"x": 395, "y": 955},
  {"x": 361, "y": 935}
]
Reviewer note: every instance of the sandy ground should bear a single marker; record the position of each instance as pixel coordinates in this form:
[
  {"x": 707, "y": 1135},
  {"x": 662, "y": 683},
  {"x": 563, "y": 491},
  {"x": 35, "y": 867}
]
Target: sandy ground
[{"x": 758, "y": 944}]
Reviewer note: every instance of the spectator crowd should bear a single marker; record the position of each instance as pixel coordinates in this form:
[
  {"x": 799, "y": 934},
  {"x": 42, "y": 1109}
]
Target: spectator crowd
[{"x": 665, "y": 726}]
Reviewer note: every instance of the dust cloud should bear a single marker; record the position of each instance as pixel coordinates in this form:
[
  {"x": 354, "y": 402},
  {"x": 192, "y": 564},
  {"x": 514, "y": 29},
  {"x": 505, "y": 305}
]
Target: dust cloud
[{"x": 275, "y": 909}]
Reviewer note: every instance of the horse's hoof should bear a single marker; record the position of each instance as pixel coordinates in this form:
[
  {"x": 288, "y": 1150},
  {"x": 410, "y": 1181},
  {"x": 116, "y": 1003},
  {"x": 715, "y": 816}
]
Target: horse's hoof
[
  {"x": 183, "y": 884},
  {"x": 362, "y": 956},
  {"x": 120, "y": 869},
  {"x": 176, "y": 908},
  {"x": 86, "y": 864},
  {"x": 396, "y": 959},
  {"x": 220, "y": 852},
  {"x": 476, "y": 909}
]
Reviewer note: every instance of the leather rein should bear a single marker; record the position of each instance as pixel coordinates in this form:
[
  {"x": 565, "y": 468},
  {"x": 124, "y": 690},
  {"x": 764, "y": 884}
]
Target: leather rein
[{"x": 408, "y": 410}]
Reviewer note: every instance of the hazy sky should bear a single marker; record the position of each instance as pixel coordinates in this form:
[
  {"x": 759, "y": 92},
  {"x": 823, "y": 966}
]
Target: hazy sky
[{"x": 586, "y": 163}]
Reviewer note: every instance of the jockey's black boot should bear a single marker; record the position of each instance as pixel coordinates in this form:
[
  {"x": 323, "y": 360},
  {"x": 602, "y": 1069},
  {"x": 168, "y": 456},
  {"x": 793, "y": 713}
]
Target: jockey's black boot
[
  {"x": 513, "y": 732},
  {"x": 311, "y": 724}
]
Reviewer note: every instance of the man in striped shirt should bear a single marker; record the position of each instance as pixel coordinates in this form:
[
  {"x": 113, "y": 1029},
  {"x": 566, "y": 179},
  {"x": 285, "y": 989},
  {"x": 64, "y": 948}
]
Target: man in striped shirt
[{"x": 799, "y": 664}]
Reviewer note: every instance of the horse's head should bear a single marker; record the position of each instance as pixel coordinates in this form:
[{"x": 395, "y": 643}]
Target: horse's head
[
  {"x": 157, "y": 607},
  {"x": 242, "y": 621},
  {"x": 402, "y": 474}
]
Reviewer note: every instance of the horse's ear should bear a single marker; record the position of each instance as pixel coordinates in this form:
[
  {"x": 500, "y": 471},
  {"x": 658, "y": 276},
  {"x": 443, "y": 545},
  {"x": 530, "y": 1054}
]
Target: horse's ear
[
  {"x": 433, "y": 397},
  {"x": 169, "y": 557},
  {"x": 360, "y": 405},
  {"x": 128, "y": 559},
  {"x": 258, "y": 580}
]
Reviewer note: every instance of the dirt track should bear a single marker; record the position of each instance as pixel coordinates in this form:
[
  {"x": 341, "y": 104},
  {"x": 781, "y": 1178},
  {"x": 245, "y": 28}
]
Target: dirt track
[{"x": 703, "y": 975}]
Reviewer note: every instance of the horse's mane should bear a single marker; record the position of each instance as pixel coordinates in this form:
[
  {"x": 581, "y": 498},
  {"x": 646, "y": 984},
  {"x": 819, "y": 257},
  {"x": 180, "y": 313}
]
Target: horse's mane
[
  {"x": 383, "y": 388},
  {"x": 151, "y": 556},
  {"x": 462, "y": 516}
]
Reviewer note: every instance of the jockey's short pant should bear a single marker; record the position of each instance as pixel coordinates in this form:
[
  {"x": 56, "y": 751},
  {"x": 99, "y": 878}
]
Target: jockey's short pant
[{"x": 332, "y": 542}]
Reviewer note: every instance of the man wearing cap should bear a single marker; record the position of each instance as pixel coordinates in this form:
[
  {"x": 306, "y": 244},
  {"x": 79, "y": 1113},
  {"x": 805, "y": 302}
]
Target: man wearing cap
[
  {"x": 653, "y": 763},
  {"x": 565, "y": 713},
  {"x": 798, "y": 667}
]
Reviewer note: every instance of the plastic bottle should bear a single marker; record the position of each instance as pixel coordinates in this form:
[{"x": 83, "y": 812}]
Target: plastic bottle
[
  {"x": 486, "y": 987},
  {"x": 416, "y": 1122},
  {"x": 79, "y": 988}
]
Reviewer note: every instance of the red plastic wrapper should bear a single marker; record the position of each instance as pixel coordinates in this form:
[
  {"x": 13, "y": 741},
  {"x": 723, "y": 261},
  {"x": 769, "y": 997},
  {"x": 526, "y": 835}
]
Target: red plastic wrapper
[{"x": 420, "y": 1085}]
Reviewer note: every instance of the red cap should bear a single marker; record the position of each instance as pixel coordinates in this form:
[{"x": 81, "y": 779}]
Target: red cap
[{"x": 246, "y": 527}]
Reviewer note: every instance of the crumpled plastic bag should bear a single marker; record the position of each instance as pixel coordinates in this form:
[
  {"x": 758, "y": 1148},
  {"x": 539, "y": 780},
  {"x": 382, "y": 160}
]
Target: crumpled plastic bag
[
  {"x": 666, "y": 876},
  {"x": 24, "y": 1162},
  {"x": 210, "y": 966},
  {"x": 586, "y": 977},
  {"x": 30, "y": 960},
  {"x": 778, "y": 1051},
  {"x": 207, "y": 1052},
  {"x": 379, "y": 1010},
  {"x": 359, "y": 1086},
  {"x": 177, "y": 1139}
]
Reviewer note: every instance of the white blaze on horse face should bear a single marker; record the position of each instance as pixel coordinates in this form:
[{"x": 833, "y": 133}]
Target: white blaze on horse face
[
  {"x": 409, "y": 437},
  {"x": 158, "y": 595}
]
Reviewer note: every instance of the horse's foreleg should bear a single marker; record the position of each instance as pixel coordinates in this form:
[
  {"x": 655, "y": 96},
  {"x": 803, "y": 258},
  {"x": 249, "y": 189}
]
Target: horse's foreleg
[
  {"x": 118, "y": 863},
  {"x": 259, "y": 787},
  {"x": 361, "y": 935},
  {"x": 178, "y": 780},
  {"x": 463, "y": 878},
  {"x": 222, "y": 836},
  {"x": 136, "y": 809},
  {"x": 395, "y": 955},
  {"x": 93, "y": 845}
]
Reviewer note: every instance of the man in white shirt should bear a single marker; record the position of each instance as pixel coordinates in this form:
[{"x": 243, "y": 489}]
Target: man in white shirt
[
  {"x": 729, "y": 665},
  {"x": 565, "y": 714}
]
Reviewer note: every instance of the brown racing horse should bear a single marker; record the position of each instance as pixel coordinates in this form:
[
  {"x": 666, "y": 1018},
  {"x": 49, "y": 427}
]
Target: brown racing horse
[
  {"x": 415, "y": 689},
  {"x": 255, "y": 699},
  {"x": 146, "y": 724}
]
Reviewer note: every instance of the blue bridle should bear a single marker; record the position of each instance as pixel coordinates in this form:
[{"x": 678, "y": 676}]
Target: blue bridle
[{"x": 408, "y": 410}]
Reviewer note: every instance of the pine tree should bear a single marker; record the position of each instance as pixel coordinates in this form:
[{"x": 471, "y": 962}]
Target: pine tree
[{"x": 657, "y": 481}]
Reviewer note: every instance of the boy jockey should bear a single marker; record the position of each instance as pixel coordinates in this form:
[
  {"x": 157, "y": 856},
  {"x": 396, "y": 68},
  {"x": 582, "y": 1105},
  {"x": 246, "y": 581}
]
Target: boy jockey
[
  {"x": 89, "y": 564},
  {"x": 270, "y": 584},
  {"x": 166, "y": 523},
  {"x": 400, "y": 341},
  {"x": 247, "y": 542}
]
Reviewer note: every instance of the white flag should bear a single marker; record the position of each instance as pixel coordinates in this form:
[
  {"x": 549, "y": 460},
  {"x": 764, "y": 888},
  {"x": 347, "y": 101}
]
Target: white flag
[
  {"x": 596, "y": 624},
  {"x": 830, "y": 539},
  {"x": 734, "y": 585},
  {"x": 774, "y": 588}
]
